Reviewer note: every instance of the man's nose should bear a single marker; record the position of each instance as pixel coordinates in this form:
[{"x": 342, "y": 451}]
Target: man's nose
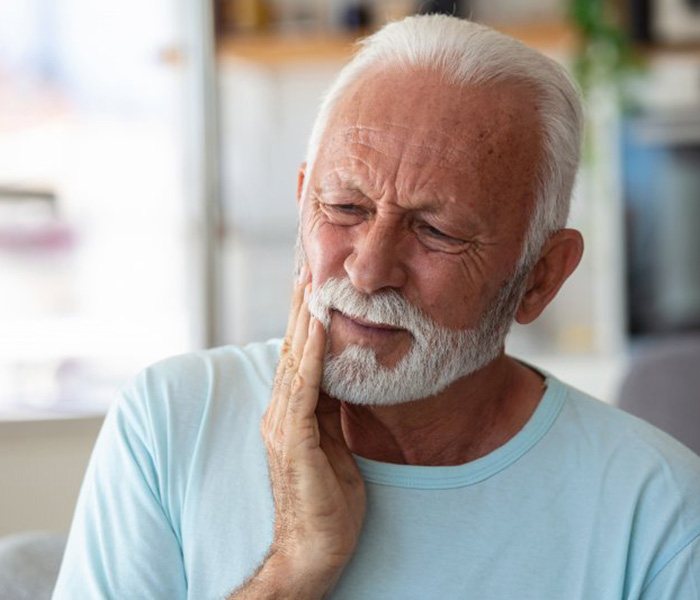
[{"x": 376, "y": 261}]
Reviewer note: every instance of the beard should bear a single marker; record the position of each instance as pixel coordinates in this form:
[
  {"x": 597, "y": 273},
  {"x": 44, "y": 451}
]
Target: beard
[{"x": 438, "y": 356}]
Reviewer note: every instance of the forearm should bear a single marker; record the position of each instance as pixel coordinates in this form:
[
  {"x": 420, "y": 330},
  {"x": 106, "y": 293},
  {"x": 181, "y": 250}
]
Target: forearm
[{"x": 277, "y": 579}]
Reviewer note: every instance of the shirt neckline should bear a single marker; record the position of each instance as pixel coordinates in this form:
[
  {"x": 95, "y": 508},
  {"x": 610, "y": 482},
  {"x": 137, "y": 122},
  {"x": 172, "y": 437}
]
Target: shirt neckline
[{"x": 476, "y": 471}]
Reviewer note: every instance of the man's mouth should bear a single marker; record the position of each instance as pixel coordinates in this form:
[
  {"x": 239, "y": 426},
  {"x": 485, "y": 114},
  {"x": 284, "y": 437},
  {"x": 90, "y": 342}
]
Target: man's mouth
[
  {"x": 369, "y": 324},
  {"x": 364, "y": 324}
]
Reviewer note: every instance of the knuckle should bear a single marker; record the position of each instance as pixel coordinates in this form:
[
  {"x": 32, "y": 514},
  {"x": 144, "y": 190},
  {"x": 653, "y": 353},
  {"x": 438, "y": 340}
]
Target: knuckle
[
  {"x": 270, "y": 440},
  {"x": 298, "y": 383},
  {"x": 286, "y": 345},
  {"x": 290, "y": 362}
]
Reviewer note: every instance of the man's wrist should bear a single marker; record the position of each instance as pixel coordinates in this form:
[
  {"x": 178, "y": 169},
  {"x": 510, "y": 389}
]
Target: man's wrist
[
  {"x": 281, "y": 577},
  {"x": 302, "y": 579}
]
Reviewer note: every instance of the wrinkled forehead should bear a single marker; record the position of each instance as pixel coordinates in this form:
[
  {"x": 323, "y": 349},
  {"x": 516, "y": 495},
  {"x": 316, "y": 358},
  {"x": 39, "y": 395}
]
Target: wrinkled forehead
[
  {"x": 490, "y": 133},
  {"x": 423, "y": 111},
  {"x": 416, "y": 144}
]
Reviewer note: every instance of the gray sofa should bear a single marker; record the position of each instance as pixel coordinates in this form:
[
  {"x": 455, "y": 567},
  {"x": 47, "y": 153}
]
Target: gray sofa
[
  {"x": 663, "y": 387},
  {"x": 29, "y": 564}
]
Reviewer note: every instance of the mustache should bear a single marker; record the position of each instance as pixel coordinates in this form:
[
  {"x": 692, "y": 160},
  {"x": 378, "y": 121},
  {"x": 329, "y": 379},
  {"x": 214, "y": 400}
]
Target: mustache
[{"x": 387, "y": 307}]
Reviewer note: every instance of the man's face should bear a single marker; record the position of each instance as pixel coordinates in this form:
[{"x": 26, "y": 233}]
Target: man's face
[{"x": 423, "y": 189}]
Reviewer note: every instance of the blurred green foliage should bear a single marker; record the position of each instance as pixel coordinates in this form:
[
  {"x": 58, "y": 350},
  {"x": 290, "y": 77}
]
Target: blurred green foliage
[{"x": 605, "y": 53}]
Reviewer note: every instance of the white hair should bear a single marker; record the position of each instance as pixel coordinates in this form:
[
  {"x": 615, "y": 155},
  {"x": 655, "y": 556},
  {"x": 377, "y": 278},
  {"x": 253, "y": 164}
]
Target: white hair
[
  {"x": 467, "y": 53},
  {"x": 438, "y": 356}
]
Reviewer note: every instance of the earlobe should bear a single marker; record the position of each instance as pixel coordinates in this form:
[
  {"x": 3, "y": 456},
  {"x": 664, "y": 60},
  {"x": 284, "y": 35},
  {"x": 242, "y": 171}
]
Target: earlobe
[
  {"x": 560, "y": 257},
  {"x": 301, "y": 174}
]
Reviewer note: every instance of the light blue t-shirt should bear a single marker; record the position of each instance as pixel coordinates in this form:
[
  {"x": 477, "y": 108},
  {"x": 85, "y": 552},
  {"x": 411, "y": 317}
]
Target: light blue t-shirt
[{"x": 585, "y": 502}]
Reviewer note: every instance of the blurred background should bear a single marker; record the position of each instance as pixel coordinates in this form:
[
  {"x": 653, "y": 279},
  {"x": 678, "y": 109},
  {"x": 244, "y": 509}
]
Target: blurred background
[{"x": 148, "y": 159}]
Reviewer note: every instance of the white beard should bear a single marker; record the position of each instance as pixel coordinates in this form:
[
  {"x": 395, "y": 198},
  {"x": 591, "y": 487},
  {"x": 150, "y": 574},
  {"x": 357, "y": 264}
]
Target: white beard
[{"x": 438, "y": 356}]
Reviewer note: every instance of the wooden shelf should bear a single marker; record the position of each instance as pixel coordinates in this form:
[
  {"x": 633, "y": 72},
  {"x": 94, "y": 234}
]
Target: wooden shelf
[
  {"x": 280, "y": 49},
  {"x": 274, "y": 50}
]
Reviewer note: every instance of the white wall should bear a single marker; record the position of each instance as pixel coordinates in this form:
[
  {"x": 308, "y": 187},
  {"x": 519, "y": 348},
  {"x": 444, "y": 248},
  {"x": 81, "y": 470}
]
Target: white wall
[{"x": 41, "y": 468}]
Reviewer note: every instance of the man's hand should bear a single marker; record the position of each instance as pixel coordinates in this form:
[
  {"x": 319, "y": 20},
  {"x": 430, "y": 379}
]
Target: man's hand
[{"x": 318, "y": 491}]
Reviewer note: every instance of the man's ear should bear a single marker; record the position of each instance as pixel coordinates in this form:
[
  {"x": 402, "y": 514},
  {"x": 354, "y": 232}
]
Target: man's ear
[
  {"x": 300, "y": 180},
  {"x": 559, "y": 258}
]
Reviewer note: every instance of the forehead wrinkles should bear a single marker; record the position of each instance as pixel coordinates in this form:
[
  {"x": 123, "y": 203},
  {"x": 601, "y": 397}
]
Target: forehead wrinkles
[{"x": 413, "y": 145}]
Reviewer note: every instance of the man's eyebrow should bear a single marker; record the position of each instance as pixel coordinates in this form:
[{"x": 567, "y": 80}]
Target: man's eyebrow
[
  {"x": 431, "y": 204},
  {"x": 350, "y": 184}
]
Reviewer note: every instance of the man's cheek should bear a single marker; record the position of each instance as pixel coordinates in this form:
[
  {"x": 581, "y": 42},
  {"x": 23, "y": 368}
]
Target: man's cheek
[{"x": 325, "y": 253}]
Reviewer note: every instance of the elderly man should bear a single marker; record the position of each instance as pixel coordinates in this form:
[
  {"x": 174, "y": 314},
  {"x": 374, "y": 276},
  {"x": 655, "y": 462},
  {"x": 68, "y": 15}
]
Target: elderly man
[{"x": 389, "y": 448}]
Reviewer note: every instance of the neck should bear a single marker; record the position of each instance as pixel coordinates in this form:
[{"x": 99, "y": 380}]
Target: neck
[{"x": 471, "y": 418}]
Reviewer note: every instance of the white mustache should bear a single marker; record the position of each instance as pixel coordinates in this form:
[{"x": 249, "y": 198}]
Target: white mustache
[{"x": 387, "y": 307}]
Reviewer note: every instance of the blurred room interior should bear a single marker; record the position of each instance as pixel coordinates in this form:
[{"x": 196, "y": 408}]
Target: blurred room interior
[{"x": 148, "y": 161}]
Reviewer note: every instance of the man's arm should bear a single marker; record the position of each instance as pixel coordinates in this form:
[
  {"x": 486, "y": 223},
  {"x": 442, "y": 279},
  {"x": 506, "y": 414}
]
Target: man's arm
[
  {"x": 277, "y": 579},
  {"x": 317, "y": 488},
  {"x": 121, "y": 543}
]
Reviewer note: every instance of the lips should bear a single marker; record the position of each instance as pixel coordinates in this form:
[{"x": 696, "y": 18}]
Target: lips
[{"x": 368, "y": 324}]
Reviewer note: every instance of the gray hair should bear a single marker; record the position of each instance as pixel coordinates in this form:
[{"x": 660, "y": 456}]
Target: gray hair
[{"x": 471, "y": 54}]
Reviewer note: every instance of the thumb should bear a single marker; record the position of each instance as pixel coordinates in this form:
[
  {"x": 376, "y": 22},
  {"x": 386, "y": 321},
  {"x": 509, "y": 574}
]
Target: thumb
[
  {"x": 334, "y": 444},
  {"x": 328, "y": 415}
]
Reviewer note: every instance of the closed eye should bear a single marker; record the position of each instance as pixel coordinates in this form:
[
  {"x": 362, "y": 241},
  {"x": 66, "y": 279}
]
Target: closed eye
[
  {"x": 345, "y": 214},
  {"x": 436, "y": 233},
  {"x": 436, "y": 239},
  {"x": 348, "y": 208}
]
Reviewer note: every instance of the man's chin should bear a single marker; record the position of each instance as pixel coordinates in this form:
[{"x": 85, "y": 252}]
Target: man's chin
[
  {"x": 386, "y": 354},
  {"x": 363, "y": 400},
  {"x": 357, "y": 377}
]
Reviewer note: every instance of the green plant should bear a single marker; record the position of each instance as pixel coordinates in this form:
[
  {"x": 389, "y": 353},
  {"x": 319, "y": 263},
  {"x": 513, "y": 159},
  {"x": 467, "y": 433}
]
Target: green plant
[{"x": 605, "y": 52}]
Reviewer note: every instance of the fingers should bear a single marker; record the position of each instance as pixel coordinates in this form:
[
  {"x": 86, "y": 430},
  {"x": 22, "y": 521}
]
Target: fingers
[
  {"x": 277, "y": 408},
  {"x": 301, "y": 329},
  {"x": 328, "y": 414},
  {"x": 286, "y": 349},
  {"x": 306, "y": 384},
  {"x": 289, "y": 363},
  {"x": 297, "y": 302}
]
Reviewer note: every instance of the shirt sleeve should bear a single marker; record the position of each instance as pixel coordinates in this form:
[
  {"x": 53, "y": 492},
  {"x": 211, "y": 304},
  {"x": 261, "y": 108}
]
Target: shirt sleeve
[
  {"x": 122, "y": 543},
  {"x": 679, "y": 578}
]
